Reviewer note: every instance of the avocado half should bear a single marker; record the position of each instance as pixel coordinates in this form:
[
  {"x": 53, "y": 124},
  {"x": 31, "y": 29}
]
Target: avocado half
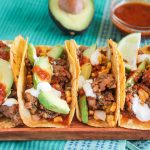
[{"x": 72, "y": 23}]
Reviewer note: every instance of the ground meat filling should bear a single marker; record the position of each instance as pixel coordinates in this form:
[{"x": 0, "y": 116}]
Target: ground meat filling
[
  {"x": 61, "y": 81},
  {"x": 103, "y": 85},
  {"x": 11, "y": 112},
  {"x": 142, "y": 89},
  {"x": 4, "y": 51},
  {"x": 104, "y": 88}
]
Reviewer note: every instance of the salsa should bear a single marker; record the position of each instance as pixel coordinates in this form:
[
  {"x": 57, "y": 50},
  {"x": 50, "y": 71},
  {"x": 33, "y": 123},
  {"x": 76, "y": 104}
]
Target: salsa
[
  {"x": 41, "y": 73},
  {"x": 134, "y": 13},
  {"x": 2, "y": 92}
]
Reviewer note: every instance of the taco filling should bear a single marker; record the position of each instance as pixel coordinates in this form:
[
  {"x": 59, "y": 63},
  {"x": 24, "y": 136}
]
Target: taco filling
[
  {"x": 97, "y": 85},
  {"x": 48, "y": 84},
  {"x": 8, "y": 91},
  {"x": 137, "y": 102}
]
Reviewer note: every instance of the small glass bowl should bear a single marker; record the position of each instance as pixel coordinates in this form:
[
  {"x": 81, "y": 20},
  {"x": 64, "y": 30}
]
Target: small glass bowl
[{"x": 123, "y": 26}]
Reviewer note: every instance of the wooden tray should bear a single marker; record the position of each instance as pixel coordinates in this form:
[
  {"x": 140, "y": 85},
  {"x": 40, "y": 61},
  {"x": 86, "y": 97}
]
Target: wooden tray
[{"x": 77, "y": 131}]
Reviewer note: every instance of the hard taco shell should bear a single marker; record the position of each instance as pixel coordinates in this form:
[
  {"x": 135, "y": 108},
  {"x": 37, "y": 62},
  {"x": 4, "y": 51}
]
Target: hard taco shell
[
  {"x": 72, "y": 46},
  {"x": 25, "y": 113}
]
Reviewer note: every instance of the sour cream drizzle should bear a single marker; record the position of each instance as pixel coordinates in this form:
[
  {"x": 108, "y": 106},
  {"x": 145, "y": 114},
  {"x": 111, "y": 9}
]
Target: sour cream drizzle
[
  {"x": 43, "y": 86},
  {"x": 142, "y": 111}
]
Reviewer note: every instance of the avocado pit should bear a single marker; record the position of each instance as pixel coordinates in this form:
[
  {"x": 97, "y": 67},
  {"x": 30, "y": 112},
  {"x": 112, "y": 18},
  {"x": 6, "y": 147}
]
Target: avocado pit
[{"x": 71, "y": 6}]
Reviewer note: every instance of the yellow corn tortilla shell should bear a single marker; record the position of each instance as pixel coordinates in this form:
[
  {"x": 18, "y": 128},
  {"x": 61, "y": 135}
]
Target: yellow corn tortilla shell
[
  {"x": 115, "y": 70},
  {"x": 124, "y": 120},
  {"x": 72, "y": 47},
  {"x": 16, "y": 52},
  {"x": 25, "y": 113}
]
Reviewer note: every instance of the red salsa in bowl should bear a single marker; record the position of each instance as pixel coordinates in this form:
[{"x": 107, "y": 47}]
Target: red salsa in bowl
[{"x": 132, "y": 17}]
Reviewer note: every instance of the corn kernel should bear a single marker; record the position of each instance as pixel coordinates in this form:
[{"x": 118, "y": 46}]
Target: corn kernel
[
  {"x": 103, "y": 68},
  {"x": 143, "y": 95},
  {"x": 111, "y": 123},
  {"x": 100, "y": 59},
  {"x": 113, "y": 107},
  {"x": 110, "y": 118},
  {"x": 107, "y": 110},
  {"x": 69, "y": 99},
  {"x": 103, "y": 72},
  {"x": 91, "y": 112},
  {"x": 104, "y": 58},
  {"x": 93, "y": 74},
  {"x": 58, "y": 119},
  {"x": 109, "y": 65},
  {"x": 68, "y": 94}
]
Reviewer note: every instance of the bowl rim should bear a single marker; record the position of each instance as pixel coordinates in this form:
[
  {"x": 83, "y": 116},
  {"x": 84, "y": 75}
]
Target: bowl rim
[{"x": 123, "y": 23}]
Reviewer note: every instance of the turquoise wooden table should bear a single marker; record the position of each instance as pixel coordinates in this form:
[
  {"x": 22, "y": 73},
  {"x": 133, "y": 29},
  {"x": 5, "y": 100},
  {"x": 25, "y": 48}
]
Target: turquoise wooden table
[{"x": 31, "y": 19}]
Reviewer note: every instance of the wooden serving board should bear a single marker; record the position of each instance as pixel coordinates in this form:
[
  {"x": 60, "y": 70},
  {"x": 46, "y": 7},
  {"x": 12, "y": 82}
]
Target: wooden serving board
[{"x": 77, "y": 131}]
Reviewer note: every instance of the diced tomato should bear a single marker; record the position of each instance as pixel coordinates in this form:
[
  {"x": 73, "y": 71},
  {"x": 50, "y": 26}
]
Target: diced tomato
[
  {"x": 41, "y": 73},
  {"x": 81, "y": 92},
  {"x": 38, "y": 51},
  {"x": 2, "y": 93}
]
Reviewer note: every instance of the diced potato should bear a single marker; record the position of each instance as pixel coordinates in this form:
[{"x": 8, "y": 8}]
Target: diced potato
[
  {"x": 100, "y": 115},
  {"x": 58, "y": 119}
]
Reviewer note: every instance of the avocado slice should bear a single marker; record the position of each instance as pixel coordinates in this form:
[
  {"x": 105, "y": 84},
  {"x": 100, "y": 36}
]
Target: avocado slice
[
  {"x": 52, "y": 102},
  {"x": 6, "y": 75},
  {"x": 56, "y": 51},
  {"x": 86, "y": 70},
  {"x": 83, "y": 109},
  {"x": 72, "y": 23},
  {"x": 88, "y": 52},
  {"x": 31, "y": 53},
  {"x": 44, "y": 64}
]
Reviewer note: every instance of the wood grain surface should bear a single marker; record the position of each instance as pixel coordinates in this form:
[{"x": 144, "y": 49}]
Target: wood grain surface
[{"x": 77, "y": 131}]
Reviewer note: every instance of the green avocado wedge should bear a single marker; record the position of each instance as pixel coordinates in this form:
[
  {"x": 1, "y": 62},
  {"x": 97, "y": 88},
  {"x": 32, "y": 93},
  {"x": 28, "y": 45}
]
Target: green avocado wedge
[
  {"x": 86, "y": 70},
  {"x": 6, "y": 75},
  {"x": 52, "y": 102},
  {"x": 31, "y": 53},
  {"x": 43, "y": 63},
  {"x": 88, "y": 52},
  {"x": 56, "y": 52},
  {"x": 83, "y": 109},
  {"x": 72, "y": 23}
]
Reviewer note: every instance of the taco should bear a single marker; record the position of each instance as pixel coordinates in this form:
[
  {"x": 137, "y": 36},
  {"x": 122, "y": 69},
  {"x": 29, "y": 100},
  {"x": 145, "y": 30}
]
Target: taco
[
  {"x": 10, "y": 61},
  {"x": 47, "y": 87},
  {"x": 135, "y": 101},
  {"x": 97, "y": 81}
]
